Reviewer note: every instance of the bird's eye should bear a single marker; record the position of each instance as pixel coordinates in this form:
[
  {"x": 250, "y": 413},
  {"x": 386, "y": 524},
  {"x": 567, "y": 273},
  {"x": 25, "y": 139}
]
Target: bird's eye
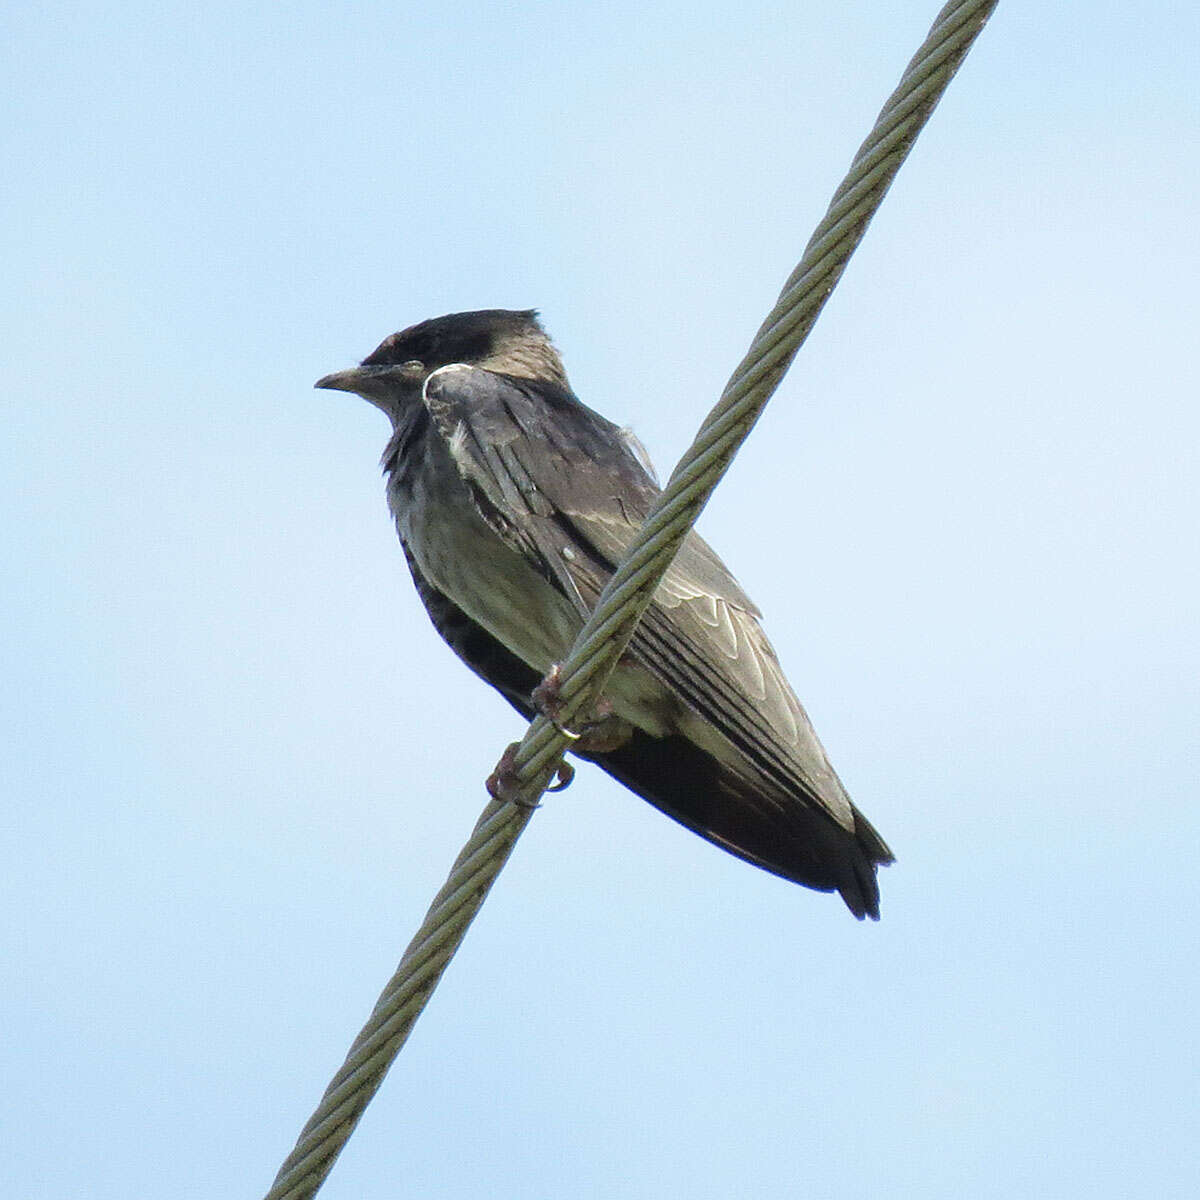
[{"x": 414, "y": 364}]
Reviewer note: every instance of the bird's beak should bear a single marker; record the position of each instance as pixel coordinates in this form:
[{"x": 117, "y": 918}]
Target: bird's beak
[
  {"x": 385, "y": 386},
  {"x": 345, "y": 381}
]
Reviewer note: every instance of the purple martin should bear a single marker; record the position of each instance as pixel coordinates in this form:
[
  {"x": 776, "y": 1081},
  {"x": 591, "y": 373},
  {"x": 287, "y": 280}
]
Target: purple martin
[{"x": 514, "y": 502}]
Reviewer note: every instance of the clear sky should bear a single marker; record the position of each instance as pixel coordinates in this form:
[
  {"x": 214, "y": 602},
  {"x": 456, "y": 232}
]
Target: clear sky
[{"x": 237, "y": 762}]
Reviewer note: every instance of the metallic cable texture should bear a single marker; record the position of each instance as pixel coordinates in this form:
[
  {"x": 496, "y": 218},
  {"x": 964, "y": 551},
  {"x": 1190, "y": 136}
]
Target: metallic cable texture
[{"x": 608, "y": 630}]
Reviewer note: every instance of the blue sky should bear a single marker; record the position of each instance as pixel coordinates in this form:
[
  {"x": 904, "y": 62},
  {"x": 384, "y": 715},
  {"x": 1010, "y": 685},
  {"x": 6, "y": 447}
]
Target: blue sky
[{"x": 237, "y": 762}]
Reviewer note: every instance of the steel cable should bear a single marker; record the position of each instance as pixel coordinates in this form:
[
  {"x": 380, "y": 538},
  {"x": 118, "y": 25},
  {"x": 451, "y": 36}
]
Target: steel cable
[{"x": 629, "y": 592}]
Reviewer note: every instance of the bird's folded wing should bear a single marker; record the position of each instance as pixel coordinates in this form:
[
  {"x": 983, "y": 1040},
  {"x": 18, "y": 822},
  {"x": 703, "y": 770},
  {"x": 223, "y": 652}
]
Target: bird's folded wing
[{"x": 564, "y": 487}]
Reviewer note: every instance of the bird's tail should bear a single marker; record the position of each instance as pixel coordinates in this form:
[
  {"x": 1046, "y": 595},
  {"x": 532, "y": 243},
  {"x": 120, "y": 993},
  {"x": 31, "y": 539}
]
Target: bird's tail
[{"x": 783, "y": 834}]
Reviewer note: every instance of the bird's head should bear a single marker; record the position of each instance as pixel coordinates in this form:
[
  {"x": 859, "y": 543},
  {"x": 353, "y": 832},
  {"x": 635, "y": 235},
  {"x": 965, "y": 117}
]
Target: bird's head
[{"x": 509, "y": 342}]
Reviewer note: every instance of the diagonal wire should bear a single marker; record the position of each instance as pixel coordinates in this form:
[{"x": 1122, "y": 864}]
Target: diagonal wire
[{"x": 608, "y": 630}]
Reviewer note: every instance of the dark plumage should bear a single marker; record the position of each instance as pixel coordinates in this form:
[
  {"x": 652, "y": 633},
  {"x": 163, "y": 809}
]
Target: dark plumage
[{"x": 514, "y": 502}]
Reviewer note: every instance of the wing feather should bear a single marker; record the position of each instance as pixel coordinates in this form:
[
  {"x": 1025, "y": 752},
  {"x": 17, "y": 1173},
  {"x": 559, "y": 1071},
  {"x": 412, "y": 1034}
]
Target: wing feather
[{"x": 563, "y": 486}]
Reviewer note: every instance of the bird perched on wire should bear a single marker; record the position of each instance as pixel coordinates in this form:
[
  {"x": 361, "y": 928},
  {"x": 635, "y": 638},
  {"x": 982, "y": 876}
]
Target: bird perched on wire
[{"x": 514, "y": 502}]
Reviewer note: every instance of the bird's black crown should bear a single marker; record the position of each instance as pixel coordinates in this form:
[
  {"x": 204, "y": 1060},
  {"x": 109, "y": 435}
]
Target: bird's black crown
[{"x": 468, "y": 337}]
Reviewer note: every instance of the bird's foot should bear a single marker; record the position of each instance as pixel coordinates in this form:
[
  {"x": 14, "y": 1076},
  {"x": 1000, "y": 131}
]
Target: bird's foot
[
  {"x": 599, "y": 731},
  {"x": 505, "y": 784},
  {"x": 547, "y": 699}
]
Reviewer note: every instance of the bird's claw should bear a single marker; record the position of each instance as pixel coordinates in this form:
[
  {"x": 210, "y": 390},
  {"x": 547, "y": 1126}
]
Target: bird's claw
[
  {"x": 564, "y": 776},
  {"x": 547, "y": 699},
  {"x": 597, "y": 732},
  {"x": 505, "y": 784}
]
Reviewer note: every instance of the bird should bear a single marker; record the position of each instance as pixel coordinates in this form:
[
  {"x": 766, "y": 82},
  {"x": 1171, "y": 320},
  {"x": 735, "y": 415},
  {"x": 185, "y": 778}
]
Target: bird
[{"x": 514, "y": 502}]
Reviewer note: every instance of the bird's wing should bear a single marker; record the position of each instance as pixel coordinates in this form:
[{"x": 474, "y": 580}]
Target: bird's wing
[{"x": 563, "y": 486}]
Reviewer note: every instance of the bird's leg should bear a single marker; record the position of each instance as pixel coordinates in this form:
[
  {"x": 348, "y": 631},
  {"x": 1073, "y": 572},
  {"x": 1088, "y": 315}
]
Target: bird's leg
[
  {"x": 599, "y": 731},
  {"x": 504, "y": 784}
]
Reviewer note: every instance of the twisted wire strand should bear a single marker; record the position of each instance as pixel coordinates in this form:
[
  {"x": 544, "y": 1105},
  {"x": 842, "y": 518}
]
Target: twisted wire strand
[{"x": 629, "y": 592}]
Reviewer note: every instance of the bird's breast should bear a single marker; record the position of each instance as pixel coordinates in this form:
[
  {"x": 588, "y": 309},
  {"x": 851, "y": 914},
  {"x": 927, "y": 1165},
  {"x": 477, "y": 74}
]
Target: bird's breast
[{"x": 467, "y": 560}]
